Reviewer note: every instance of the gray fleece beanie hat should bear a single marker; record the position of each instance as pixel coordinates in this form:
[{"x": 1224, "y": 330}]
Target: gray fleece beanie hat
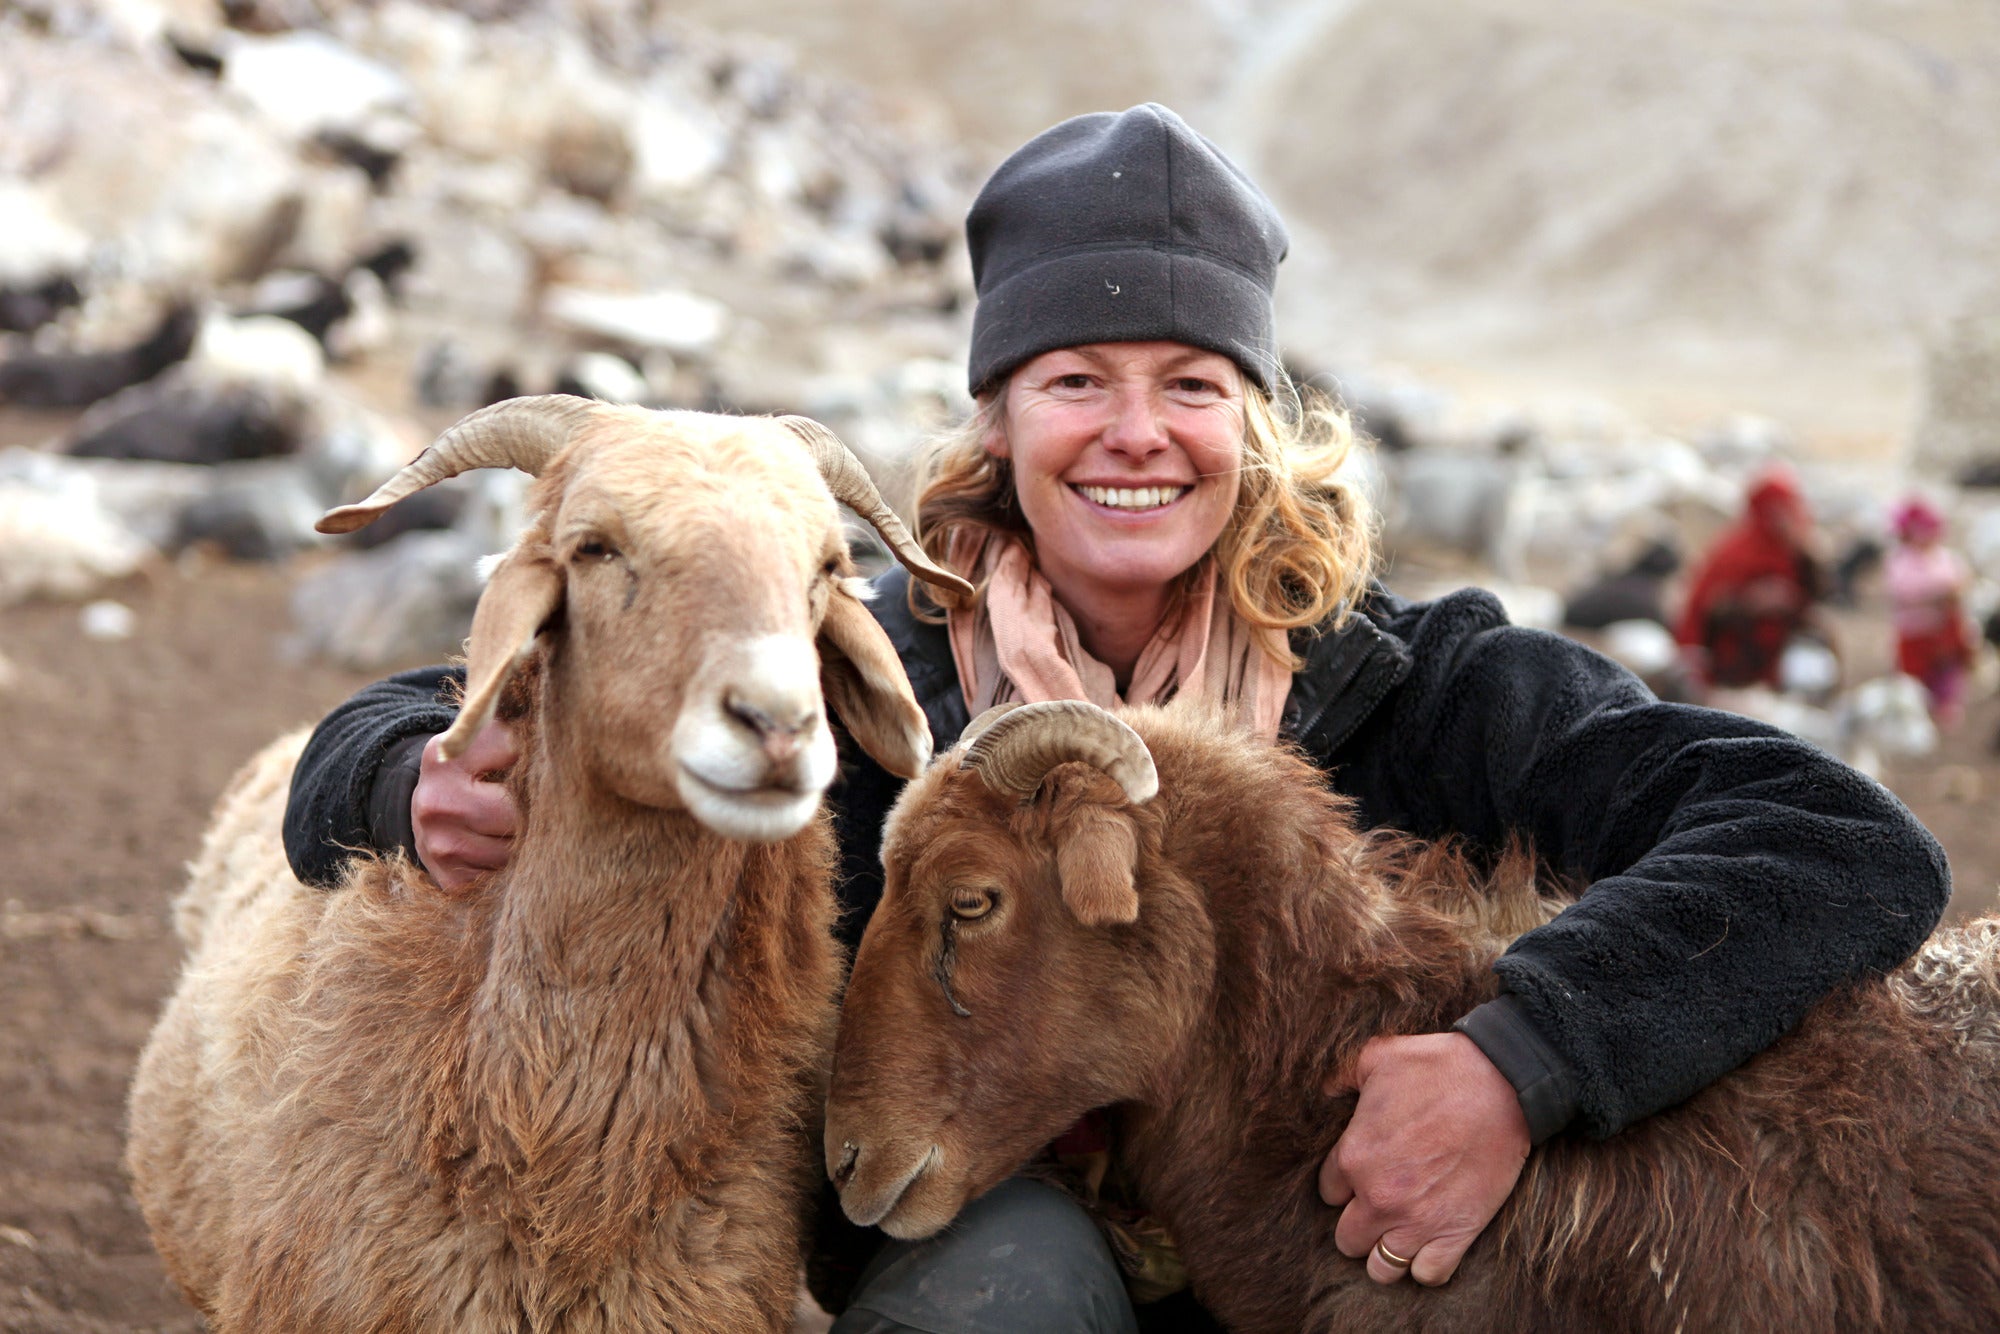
[{"x": 1122, "y": 227}]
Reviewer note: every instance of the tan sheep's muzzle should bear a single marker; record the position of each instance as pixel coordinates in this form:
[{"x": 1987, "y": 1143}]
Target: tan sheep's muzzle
[{"x": 751, "y": 748}]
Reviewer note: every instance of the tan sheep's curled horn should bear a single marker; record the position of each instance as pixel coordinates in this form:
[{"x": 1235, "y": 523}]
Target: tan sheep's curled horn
[
  {"x": 1017, "y": 749},
  {"x": 852, "y": 486},
  {"x": 522, "y": 433},
  {"x": 977, "y": 727}
]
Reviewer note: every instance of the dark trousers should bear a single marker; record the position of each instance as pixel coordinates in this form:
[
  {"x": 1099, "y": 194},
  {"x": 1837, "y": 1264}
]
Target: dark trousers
[{"x": 1021, "y": 1257}]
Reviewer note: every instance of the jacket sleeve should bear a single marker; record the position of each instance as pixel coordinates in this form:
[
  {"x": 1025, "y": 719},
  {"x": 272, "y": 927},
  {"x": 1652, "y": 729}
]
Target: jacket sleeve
[
  {"x": 351, "y": 787},
  {"x": 1736, "y": 874}
]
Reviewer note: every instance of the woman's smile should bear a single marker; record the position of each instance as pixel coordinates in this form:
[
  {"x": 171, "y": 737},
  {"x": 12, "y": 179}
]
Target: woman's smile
[
  {"x": 1126, "y": 461},
  {"x": 1131, "y": 499}
]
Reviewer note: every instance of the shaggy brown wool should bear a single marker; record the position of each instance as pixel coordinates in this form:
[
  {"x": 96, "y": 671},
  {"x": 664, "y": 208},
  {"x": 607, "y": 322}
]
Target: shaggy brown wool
[{"x": 1841, "y": 1180}]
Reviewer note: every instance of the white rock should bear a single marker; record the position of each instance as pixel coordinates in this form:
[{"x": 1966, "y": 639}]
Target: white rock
[
  {"x": 676, "y": 147},
  {"x": 1982, "y": 542},
  {"x": 1806, "y": 721},
  {"x": 679, "y": 323},
  {"x": 1892, "y": 715},
  {"x": 1528, "y": 604},
  {"x": 106, "y": 619},
  {"x": 1808, "y": 669},
  {"x": 142, "y": 497},
  {"x": 267, "y": 349},
  {"x": 1879, "y": 720},
  {"x": 1743, "y": 441},
  {"x": 1647, "y": 648},
  {"x": 844, "y": 258},
  {"x": 370, "y": 325},
  {"x": 304, "y": 82},
  {"x": 40, "y": 242},
  {"x": 56, "y": 537},
  {"x": 609, "y": 377},
  {"x": 774, "y": 170},
  {"x": 333, "y": 225},
  {"x": 934, "y": 378}
]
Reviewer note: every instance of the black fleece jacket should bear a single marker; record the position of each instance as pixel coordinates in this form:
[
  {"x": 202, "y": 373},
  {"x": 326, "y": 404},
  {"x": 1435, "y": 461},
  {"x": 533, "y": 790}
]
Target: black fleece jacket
[{"x": 1735, "y": 873}]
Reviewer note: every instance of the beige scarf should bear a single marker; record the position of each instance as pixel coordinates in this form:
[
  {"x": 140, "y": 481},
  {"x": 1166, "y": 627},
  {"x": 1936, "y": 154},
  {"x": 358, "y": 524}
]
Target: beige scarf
[{"x": 1019, "y": 644}]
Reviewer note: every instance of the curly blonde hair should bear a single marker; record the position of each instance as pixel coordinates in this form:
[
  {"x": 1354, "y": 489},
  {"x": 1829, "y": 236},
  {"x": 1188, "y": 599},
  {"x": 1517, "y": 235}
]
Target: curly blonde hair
[{"x": 1298, "y": 550}]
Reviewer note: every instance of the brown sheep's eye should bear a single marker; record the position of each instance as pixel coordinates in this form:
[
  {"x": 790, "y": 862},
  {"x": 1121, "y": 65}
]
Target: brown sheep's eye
[
  {"x": 594, "y": 549},
  {"x": 970, "y": 904},
  {"x": 831, "y": 568}
]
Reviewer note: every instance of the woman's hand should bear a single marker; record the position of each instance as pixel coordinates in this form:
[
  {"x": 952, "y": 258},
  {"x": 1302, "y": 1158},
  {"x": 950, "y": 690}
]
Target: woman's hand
[
  {"x": 464, "y": 820},
  {"x": 1435, "y": 1147}
]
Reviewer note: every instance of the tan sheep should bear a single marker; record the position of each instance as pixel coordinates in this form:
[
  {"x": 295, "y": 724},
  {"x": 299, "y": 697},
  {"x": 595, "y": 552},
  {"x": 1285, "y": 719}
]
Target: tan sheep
[
  {"x": 1053, "y": 938},
  {"x": 582, "y": 1096}
]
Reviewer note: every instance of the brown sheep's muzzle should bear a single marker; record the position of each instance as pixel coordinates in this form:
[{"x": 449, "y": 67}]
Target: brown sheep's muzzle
[{"x": 903, "y": 1185}]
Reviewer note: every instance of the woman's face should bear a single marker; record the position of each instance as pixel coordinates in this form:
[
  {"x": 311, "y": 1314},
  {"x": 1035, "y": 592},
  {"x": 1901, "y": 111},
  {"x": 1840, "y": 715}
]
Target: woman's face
[{"x": 1127, "y": 461}]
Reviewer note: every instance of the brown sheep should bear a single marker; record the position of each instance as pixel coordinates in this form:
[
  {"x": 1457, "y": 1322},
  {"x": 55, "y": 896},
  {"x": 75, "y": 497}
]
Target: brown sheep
[
  {"x": 1051, "y": 941},
  {"x": 582, "y": 1096}
]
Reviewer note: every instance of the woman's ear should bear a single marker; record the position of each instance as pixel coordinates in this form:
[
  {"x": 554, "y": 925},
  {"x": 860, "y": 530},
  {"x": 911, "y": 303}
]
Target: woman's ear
[
  {"x": 994, "y": 441},
  {"x": 865, "y": 687}
]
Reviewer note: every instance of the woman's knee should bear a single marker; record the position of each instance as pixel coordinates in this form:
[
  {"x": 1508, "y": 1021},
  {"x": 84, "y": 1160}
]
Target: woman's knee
[{"x": 1023, "y": 1256}]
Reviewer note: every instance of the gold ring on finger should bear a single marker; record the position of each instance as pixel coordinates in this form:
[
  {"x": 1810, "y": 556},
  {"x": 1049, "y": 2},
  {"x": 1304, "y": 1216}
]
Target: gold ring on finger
[{"x": 1389, "y": 1257}]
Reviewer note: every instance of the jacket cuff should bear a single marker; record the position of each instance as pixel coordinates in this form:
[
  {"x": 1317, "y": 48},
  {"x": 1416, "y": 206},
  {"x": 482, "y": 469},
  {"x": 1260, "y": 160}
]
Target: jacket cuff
[
  {"x": 1541, "y": 1078},
  {"x": 389, "y": 823}
]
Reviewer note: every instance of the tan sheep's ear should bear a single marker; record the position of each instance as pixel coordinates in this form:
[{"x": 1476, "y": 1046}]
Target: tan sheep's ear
[
  {"x": 865, "y": 686},
  {"x": 1096, "y": 854},
  {"x": 522, "y": 594}
]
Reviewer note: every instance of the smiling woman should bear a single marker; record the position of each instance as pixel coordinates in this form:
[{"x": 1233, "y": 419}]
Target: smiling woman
[{"x": 1151, "y": 513}]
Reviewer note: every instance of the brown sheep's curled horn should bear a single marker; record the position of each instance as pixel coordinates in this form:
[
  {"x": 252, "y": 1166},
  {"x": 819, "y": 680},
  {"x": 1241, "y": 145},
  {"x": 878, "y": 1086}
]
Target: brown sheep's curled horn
[
  {"x": 852, "y": 487},
  {"x": 522, "y": 433},
  {"x": 1018, "y": 748}
]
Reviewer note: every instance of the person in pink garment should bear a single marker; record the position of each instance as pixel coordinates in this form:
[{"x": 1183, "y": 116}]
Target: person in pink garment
[{"x": 1926, "y": 581}]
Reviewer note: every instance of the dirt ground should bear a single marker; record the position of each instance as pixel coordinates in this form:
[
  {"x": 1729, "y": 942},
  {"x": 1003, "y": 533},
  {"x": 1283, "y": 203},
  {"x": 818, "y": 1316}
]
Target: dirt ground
[{"x": 110, "y": 755}]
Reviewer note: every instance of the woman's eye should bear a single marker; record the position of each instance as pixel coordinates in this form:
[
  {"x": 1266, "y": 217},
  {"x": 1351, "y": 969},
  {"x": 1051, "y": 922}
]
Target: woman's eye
[
  {"x": 1189, "y": 384},
  {"x": 968, "y": 904},
  {"x": 1075, "y": 380}
]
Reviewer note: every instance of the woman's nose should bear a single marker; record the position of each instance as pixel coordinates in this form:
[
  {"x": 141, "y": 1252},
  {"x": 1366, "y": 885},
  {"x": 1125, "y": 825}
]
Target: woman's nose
[{"x": 1138, "y": 429}]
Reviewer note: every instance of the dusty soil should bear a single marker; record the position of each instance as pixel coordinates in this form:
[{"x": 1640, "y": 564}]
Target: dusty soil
[{"x": 113, "y": 752}]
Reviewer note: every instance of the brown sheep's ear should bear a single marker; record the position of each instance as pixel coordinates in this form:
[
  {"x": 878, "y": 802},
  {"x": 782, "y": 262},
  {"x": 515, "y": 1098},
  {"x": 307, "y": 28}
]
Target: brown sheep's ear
[
  {"x": 1096, "y": 852},
  {"x": 522, "y": 594},
  {"x": 865, "y": 686}
]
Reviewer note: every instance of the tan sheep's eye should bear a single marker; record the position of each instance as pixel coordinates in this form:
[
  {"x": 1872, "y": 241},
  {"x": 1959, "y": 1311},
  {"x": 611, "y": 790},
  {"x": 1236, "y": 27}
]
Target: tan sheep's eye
[
  {"x": 969, "y": 904},
  {"x": 594, "y": 548}
]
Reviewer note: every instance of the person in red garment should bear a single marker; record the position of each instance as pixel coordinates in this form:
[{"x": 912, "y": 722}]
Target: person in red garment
[
  {"x": 1927, "y": 582},
  {"x": 1755, "y": 589}
]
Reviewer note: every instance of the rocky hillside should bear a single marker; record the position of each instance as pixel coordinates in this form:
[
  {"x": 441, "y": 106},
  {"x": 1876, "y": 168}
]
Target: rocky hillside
[{"x": 1679, "y": 204}]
